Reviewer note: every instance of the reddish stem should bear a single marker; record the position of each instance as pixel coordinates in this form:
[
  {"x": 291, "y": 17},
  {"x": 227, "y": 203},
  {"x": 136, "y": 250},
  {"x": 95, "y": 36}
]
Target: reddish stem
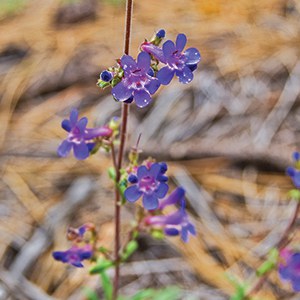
[{"x": 124, "y": 117}]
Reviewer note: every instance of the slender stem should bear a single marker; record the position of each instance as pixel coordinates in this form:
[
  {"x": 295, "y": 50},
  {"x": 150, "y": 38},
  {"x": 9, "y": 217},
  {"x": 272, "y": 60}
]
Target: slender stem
[
  {"x": 283, "y": 242},
  {"x": 124, "y": 117},
  {"x": 113, "y": 155},
  {"x": 285, "y": 236}
]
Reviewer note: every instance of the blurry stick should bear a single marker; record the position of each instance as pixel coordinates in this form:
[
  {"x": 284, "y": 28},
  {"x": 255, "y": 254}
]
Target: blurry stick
[{"x": 280, "y": 111}]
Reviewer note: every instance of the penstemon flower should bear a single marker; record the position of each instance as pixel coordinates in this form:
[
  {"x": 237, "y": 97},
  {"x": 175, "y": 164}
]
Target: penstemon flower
[
  {"x": 136, "y": 83},
  {"x": 289, "y": 268},
  {"x": 82, "y": 239},
  {"x": 80, "y": 138},
  {"x": 149, "y": 183},
  {"x": 75, "y": 255},
  {"x": 131, "y": 80},
  {"x": 176, "y": 223},
  {"x": 181, "y": 64}
]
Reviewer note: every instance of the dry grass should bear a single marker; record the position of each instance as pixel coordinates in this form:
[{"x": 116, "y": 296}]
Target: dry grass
[{"x": 238, "y": 121}]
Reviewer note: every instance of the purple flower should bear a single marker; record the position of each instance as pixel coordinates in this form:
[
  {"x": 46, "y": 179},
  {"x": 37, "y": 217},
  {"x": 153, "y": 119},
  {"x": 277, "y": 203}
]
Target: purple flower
[
  {"x": 176, "y": 223},
  {"x": 177, "y": 62},
  {"x": 74, "y": 256},
  {"x": 149, "y": 183},
  {"x": 294, "y": 172},
  {"x": 80, "y": 138},
  {"x": 175, "y": 197},
  {"x": 289, "y": 269},
  {"x": 136, "y": 81},
  {"x": 295, "y": 176}
]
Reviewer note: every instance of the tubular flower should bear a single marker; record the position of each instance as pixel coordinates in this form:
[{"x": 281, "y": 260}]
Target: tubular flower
[
  {"x": 79, "y": 137},
  {"x": 289, "y": 268},
  {"x": 149, "y": 183},
  {"x": 136, "y": 82},
  {"x": 181, "y": 64},
  {"x": 176, "y": 223},
  {"x": 75, "y": 255}
]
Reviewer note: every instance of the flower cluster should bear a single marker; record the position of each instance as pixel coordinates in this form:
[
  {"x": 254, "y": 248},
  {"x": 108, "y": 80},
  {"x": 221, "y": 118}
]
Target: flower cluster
[
  {"x": 149, "y": 182},
  {"x": 81, "y": 249},
  {"x": 133, "y": 80},
  {"x": 289, "y": 268},
  {"x": 80, "y": 138},
  {"x": 181, "y": 64},
  {"x": 139, "y": 80}
]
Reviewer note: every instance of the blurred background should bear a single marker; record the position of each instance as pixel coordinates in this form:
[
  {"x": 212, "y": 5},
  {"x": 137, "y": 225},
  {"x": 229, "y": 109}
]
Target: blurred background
[{"x": 228, "y": 137}]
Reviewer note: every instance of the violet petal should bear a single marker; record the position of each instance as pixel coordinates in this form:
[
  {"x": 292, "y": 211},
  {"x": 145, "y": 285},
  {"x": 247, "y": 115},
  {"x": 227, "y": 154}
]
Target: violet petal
[
  {"x": 168, "y": 49},
  {"x": 142, "y": 98},
  {"x": 165, "y": 75},
  {"x": 64, "y": 148},
  {"x": 184, "y": 234},
  {"x": 180, "y": 41},
  {"x": 284, "y": 272},
  {"x": 193, "y": 56},
  {"x": 296, "y": 284},
  {"x": 81, "y": 124},
  {"x": 121, "y": 92},
  {"x": 128, "y": 64},
  {"x": 143, "y": 61},
  {"x": 132, "y": 193},
  {"x": 73, "y": 117},
  {"x": 153, "y": 86},
  {"x": 191, "y": 228},
  {"x": 173, "y": 198},
  {"x": 185, "y": 76},
  {"x": 155, "y": 169},
  {"x": 150, "y": 202},
  {"x": 142, "y": 171},
  {"x": 60, "y": 256},
  {"x": 290, "y": 171},
  {"x": 162, "y": 190},
  {"x": 81, "y": 150},
  {"x": 296, "y": 179}
]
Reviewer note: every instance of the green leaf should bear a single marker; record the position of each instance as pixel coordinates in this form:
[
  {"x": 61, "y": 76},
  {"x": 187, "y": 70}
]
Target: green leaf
[
  {"x": 157, "y": 234},
  {"x": 11, "y": 7},
  {"x": 107, "y": 286},
  {"x": 102, "y": 265},
  {"x": 269, "y": 264},
  {"x": 90, "y": 294},
  {"x": 115, "y": 81},
  {"x": 103, "y": 250},
  {"x": 240, "y": 294},
  {"x": 294, "y": 194},
  {"x": 103, "y": 84},
  {"x": 240, "y": 287},
  {"x": 112, "y": 173},
  {"x": 264, "y": 268},
  {"x": 129, "y": 250},
  {"x": 169, "y": 293}
]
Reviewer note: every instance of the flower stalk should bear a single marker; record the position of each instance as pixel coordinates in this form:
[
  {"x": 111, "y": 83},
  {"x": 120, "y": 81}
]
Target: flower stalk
[{"x": 124, "y": 118}]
